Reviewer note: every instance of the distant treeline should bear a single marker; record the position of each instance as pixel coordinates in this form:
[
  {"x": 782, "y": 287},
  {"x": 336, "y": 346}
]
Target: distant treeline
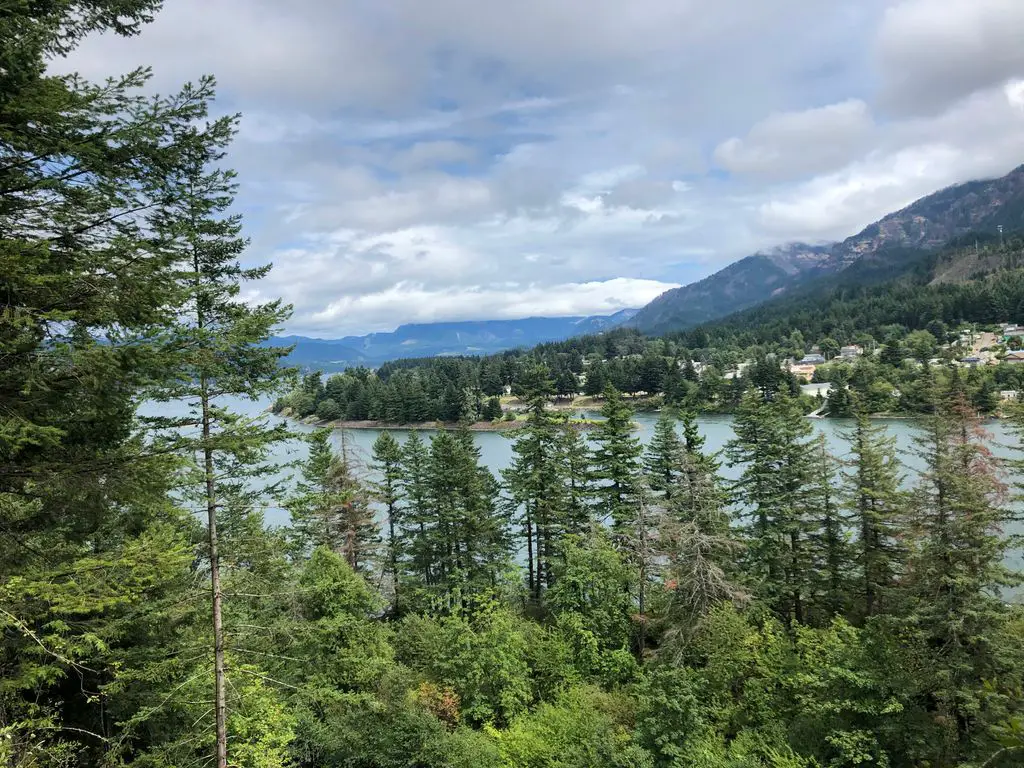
[{"x": 901, "y": 324}]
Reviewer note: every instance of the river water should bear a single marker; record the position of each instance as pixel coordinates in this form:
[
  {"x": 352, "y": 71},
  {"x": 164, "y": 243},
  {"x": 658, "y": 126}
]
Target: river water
[{"x": 496, "y": 447}]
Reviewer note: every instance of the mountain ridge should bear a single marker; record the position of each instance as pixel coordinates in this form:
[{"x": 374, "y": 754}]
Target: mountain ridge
[
  {"x": 924, "y": 225},
  {"x": 459, "y": 337}
]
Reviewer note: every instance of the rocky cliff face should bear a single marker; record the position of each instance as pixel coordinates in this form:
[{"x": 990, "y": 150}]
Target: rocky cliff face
[{"x": 932, "y": 221}]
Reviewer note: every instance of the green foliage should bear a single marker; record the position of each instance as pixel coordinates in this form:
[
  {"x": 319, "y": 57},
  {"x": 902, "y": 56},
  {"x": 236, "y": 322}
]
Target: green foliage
[
  {"x": 591, "y": 603},
  {"x": 584, "y": 727},
  {"x": 483, "y": 658},
  {"x": 804, "y": 620},
  {"x": 616, "y": 462},
  {"x": 535, "y": 480},
  {"x": 772, "y": 446},
  {"x": 661, "y": 459}
]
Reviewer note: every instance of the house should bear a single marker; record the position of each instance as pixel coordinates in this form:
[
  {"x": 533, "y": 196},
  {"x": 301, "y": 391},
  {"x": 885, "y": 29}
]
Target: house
[
  {"x": 698, "y": 367},
  {"x": 1014, "y": 357},
  {"x": 851, "y": 350},
  {"x": 799, "y": 369},
  {"x": 1009, "y": 395},
  {"x": 812, "y": 359},
  {"x": 737, "y": 372},
  {"x": 972, "y": 361},
  {"x": 816, "y": 390}
]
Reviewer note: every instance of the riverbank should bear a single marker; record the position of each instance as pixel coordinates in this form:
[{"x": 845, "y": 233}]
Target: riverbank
[{"x": 502, "y": 425}]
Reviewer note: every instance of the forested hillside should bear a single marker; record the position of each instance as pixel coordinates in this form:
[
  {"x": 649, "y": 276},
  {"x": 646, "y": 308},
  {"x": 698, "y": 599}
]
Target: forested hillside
[
  {"x": 469, "y": 337},
  {"x": 748, "y": 282},
  {"x": 910, "y": 327},
  {"x": 978, "y": 208},
  {"x": 599, "y": 604}
]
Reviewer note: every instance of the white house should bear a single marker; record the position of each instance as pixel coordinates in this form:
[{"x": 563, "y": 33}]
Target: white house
[{"x": 816, "y": 390}]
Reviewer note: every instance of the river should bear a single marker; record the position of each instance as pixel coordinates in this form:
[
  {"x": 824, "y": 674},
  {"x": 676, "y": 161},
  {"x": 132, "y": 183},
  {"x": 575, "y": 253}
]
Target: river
[{"x": 496, "y": 447}]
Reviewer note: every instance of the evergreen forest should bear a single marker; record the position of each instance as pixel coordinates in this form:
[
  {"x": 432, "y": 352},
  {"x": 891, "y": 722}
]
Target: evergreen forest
[{"x": 598, "y": 604}]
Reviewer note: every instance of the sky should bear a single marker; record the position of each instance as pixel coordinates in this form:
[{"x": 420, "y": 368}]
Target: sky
[{"x": 420, "y": 160}]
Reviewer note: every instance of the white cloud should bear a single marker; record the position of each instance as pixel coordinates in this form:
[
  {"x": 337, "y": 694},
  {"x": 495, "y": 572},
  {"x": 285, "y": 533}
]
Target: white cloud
[
  {"x": 792, "y": 144},
  {"x": 932, "y": 53},
  {"x": 510, "y": 300},
  {"x": 828, "y": 206},
  {"x": 980, "y": 137},
  {"x": 413, "y": 160},
  {"x": 1015, "y": 93}
]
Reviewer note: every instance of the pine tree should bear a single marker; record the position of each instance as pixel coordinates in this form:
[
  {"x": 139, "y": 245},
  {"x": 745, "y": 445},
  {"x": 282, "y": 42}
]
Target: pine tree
[
  {"x": 315, "y": 499},
  {"x": 877, "y": 508},
  {"x": 91, "y": 544},
  {"x": 773, "y": 490},
  {"x": 700, "y": 546},
  {"x": 661, "y": 459},
  {"x": 574, "y": 460},
  {"x": 467, "y": 538},
  {"x": 215, "y": 349},
  {"x": 828, "y": 537},
  {"x": 535, "y": 482},
  {"x": 596, "y": 379},
  {"x": 698, "y": 496},
  {"x": 639, "y": 543},
  {"x": 353, "y": 531},
  {"x": 616, "y": 462},
  {"x": 956, "y": 569},
  {"x": 840, "y": 403},
  {"x": 387, "y": 463},
  {"x": 416, "y": 489}
]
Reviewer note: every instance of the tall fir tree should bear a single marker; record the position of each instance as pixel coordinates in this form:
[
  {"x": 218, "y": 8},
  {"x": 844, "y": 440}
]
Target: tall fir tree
[
  {"x": 574, "y": 459},
  {"x": 955, "y": 574},
  {"x": 700, "y": 546},
  {"x": 535, "y": 482},
  {"x": 416, "y": 489},
  {"x": 354, "y": 532},
  {"x": 698, "y": 496},
  {"x": 661, "y": 458},
  {"x": 314, "y": 500},
  {"x": 467, "y": 539},
  {"x": 772, "y": 448},
  {"x": 829, "y": 538},
  {"x": 387, "y": 464},
  {"x": 877, "y": 508},
  {"x": 214, "y": 350},
  {"x": 91, "y": 544},
  {"x": 616, "y": 468}
]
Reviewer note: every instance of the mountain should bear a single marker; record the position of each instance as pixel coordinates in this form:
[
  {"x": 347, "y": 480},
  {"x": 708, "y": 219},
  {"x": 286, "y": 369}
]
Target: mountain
[
  {"x": 978, "y": 279},
  {"x": 743, "y": 284},
  {"x": 473, "y": 337},
  {"x": 883, "y": 249}
]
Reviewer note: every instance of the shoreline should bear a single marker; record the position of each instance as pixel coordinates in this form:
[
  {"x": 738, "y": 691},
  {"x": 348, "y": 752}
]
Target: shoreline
[
  {"x": 502, "y": 425},
  {"x": 447, "y": 426}
]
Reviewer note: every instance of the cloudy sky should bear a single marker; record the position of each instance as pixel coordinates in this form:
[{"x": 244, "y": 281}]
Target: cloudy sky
[{"x": 418, "y": 160}]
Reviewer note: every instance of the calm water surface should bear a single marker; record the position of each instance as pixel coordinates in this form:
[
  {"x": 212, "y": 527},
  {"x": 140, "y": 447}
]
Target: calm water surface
[{"x": 496, "y": 447}]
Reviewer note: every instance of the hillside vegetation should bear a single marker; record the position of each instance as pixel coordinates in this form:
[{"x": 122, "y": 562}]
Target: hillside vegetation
[
  {"x": 978, "y": 207},
  {"x": 600, "y": 603}
]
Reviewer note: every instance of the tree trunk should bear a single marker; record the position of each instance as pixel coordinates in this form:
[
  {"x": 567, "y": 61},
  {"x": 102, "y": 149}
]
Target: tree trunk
[
  {"x": 220, "y": 699},
  {"x": 393, "y": 547},
  {"x": 529, "y": 549}
]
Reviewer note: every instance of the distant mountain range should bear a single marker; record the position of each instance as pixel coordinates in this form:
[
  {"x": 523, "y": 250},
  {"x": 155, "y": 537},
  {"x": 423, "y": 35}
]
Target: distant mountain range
[
  {"x": 471, "y": 337},
  {"x": 929, "y": 223}
]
